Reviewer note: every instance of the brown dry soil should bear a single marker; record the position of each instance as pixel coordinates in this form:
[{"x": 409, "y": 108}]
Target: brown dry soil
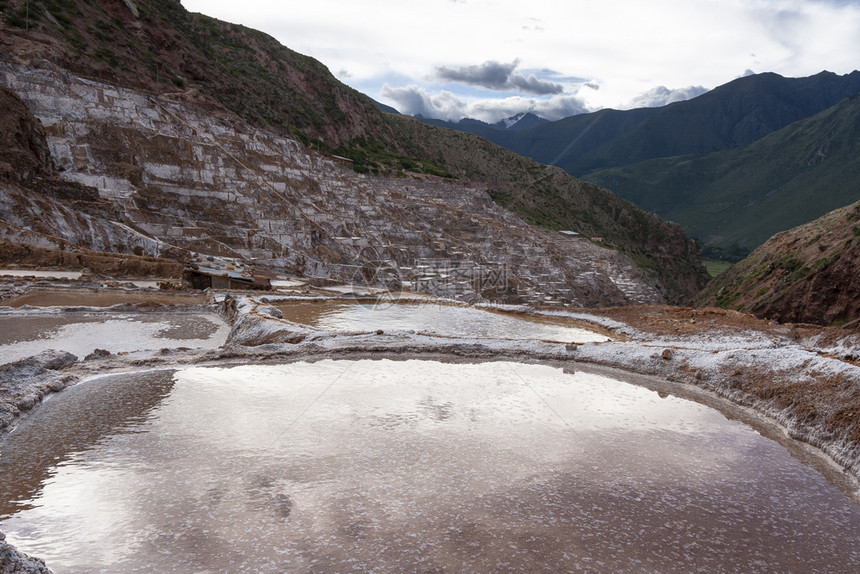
[
  {"x": 670, "y": 320},
  {"x": 666, "y": 320}
]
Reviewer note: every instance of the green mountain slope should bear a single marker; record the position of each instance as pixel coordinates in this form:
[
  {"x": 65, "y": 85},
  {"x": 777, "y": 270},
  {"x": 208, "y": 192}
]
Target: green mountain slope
[
  {"x": 732, "y": 115},
  {"x": 158, "y": 46},
  {"x": 732, "y": 201},
  {"x": 810, "y": 274}
]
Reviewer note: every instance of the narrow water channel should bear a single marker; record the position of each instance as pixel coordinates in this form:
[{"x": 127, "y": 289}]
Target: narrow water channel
[{"x": 383, "y": 466}]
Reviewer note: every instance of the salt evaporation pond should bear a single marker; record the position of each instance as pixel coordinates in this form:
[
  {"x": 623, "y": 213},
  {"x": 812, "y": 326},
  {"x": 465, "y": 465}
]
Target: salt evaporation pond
[
  {"x": 434, "y": 318},
  {"x": 80, "y": 333},
  {"x": 360, "y": 466}
]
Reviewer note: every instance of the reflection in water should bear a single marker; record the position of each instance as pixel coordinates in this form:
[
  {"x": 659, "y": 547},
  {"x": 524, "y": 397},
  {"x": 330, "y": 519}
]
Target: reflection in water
[
  {"x": 435, "y": 318},
  {"x": 70, "y": 424},
  {"x": 81, "y": 333},
  {"x": 422, "y": 466}
]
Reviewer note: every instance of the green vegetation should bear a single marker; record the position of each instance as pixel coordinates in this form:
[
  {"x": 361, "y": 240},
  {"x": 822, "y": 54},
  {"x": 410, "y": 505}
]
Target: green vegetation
[
  {"x": 105, "y": 54},
  {"x": 785, "y": 277},
  {"x": 716, "y": 267},
  {"x": 20, "y": 17},
  {"x": 703, "y": 162},
  {"x": 371, "y": 156}
]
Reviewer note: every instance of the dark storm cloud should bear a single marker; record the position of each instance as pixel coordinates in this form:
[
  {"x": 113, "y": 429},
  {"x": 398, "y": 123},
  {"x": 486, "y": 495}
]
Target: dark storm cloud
[{"x": 497, "y": 76}]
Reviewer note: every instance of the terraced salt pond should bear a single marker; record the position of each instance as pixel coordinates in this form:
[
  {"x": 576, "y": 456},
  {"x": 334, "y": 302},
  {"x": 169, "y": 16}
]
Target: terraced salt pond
[
  {"x": 434, "y": 318},
  {"x": 79, "y": 333},
  {"x": 360, "y": 466},
  {"x": 62, "y": 320}
]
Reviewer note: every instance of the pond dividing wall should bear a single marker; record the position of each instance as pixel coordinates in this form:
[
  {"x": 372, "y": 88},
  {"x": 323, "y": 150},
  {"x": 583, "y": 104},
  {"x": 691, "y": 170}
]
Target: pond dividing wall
[{"x": 338, "y": 465}]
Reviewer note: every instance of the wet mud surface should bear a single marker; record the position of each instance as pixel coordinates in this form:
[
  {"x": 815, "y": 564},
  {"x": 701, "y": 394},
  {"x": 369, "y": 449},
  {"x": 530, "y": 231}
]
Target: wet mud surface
[
  {"x": 81, "y": 333},
  {"x": 100, "y": 298}
]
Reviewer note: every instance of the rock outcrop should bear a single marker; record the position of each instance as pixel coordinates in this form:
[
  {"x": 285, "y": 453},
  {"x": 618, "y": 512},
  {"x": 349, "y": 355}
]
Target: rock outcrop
[
  {"x": 13, "y": 561},
  {"x": 25, "y": 382},
  {"x": 24, "y": 153}
]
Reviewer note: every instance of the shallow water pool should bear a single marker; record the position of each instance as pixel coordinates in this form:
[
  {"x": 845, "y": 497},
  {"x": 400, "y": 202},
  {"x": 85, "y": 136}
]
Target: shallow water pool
[
  {"x": 24, "y": 335},
  {"x": 382, "y": 466},
  {"x": 434, "y": 318}
]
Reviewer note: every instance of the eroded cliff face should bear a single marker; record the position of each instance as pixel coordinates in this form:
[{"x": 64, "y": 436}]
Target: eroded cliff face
[
  {"x": 24, "y": 153},
  {"x": 155, "y": 176}
]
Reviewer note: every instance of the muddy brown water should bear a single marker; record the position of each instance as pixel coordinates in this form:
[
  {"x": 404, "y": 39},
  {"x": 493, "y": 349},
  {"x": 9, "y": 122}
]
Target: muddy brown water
[
  {"x": 435, "y": 318},
  {"x": 101, "y": 298},
  {"x": 383, "y": 466}
]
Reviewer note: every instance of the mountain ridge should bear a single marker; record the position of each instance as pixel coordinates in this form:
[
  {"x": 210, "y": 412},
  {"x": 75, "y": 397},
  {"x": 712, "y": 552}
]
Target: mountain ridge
[
  {"x": 810, "y": 273},
  {"x": 732, "y": 201},
  {"x": 731, "y": 115}
]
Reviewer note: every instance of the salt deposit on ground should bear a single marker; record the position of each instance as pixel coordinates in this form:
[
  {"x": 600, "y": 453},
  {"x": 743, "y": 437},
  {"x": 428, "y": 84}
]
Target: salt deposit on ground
[
  {"x": 43, "y": 274},
  {"x": 446, "y": 320}
]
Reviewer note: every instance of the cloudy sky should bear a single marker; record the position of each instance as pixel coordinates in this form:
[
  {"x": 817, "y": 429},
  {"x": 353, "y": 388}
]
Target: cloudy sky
[{"x": 490, "y": 59}]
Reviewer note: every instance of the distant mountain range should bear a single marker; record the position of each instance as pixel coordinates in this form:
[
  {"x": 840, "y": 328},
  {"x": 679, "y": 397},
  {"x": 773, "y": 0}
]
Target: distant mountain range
[
  {"x": 732, "y": 201},
  {"x": 712, "y": 200},
  {"x": 514, "y": 123}
]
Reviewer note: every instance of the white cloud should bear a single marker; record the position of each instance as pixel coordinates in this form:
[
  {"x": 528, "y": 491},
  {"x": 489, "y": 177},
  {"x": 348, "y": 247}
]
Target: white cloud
[
  {"x": 625, "y": 47},
  {"x": 661, "y": 96},
  {"x": 413, "y": 100}
]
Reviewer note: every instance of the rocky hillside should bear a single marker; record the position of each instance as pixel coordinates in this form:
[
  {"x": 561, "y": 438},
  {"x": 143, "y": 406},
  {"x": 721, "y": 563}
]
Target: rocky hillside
[
  {"x": 157, "y": 47},
  {"x": 158, "y": 177},
  {"x": 808, "y": 274}
]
